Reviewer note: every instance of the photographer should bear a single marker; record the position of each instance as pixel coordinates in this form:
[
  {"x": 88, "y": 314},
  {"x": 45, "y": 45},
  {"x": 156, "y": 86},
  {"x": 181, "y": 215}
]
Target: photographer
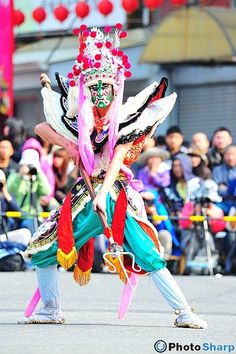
[
  {"x": 166, "y": 232},
  {"x": 201, "y": 200},
  {"x": 12, "y": 241},
  {"x": 28, "y": 186}
]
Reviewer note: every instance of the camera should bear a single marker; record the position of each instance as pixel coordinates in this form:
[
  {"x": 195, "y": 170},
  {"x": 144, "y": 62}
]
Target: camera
[
  {"x": 203, "y": 192},
  {"x": 32, "y": 170},
  {"x": 149, "y": 202}
]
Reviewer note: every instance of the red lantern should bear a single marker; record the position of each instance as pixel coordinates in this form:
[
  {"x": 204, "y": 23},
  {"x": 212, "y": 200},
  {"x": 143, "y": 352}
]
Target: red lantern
[
  {"x": 18, "y": 17},
  {"x": 82, "y": 9},
  {"x": 178, "y": 2},
  {"x": 130, "y": 5},
  {"x": 105, "y": 7},
  {"x": 61, "y": 13},
  {"x": 153, "y": 4},
  {"x": 39, "y": 14}
]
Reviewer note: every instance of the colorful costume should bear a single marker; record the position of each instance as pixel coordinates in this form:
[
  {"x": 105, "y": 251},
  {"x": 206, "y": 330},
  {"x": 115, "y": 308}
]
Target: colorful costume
[{"x": 75, "y": 225}]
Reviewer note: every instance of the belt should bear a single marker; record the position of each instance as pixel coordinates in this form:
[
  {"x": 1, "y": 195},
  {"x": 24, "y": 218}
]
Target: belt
[{"x": 101, "y": 179}]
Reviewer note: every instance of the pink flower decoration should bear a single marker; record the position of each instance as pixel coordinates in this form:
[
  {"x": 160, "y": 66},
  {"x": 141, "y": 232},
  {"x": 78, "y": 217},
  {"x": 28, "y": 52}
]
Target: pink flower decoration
[
  {"x": 76, "y": 70},
  {"x": 86, "y": 66},
  {"x": 98, "y": 57},
  {"x": 108, "y": 44},
  {"x": 70, "y": 75},
  {"x": 72, "y": 83},
  {"x": 85, "y": 33},
  {"x": 120, "y": 53},
  {"x": 99, "y": 45},
  {"x": 79, "y": 58},
  {"x": 127, "y": 65},
  {"x": 93, "y": 34},
  {"x": 76, "y": 31},
  {"x": 119, "y": 26},
  {"x": 123, "y": 34},
  {"x": 125, "y": 58},
  {"x": 107, "y": 29},
  {"x": 97, "y": 65},
  {"x": 128, "y": 74},
  {"x": 83, "y": 27},
  {"x": 82, "y": 46}
]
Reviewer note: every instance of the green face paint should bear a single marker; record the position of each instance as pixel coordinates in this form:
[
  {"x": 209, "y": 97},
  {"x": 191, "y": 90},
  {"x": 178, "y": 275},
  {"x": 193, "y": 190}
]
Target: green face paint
[{"x": 102, "y": 94}]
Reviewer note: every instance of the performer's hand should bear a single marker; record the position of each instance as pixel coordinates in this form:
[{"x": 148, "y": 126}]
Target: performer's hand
[
  {"x": 72, "y": 151},
  {"x": 99, "y": 203},
  {"x": 44, "y": 79}
]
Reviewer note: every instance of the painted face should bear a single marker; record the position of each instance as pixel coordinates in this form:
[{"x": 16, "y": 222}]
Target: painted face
[{"x": 102, "y": 94}]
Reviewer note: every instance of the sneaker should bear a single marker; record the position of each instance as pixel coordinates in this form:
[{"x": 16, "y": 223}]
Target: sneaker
[
  {"x": 188, "y": 319},
  {"x": 44, "y": 316}
]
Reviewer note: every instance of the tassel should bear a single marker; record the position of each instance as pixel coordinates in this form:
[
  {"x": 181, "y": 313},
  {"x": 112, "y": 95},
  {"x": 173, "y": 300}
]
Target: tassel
[
  {"x": 82, "y": 278},
  {"x": 67, "y": 260},
  {"x": 117, "y": 266}
]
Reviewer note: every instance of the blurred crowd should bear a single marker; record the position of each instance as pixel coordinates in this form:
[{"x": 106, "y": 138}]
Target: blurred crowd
[
  {"x": 34, "y": 177},
  {"x": 179, "y": 178}
]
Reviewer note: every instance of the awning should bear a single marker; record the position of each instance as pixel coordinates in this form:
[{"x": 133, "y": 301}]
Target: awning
[{"x": 194, "y": 35}]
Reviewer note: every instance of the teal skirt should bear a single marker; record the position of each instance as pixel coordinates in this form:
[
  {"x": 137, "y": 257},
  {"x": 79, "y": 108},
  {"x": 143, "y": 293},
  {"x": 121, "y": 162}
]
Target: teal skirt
[{"x": 86, "y": 224}]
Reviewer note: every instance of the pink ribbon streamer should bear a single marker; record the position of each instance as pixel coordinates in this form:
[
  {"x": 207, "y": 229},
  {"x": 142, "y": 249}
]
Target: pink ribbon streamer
[{"x": 33, "y": 303}]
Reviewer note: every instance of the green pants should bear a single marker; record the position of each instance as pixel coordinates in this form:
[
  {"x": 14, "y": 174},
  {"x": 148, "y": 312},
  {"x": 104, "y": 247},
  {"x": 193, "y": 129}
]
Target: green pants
[{"x": 87, "y": 224}]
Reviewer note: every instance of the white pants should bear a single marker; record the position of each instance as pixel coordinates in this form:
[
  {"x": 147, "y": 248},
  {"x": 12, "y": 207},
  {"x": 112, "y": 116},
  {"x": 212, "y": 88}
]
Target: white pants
[{"x": 50, "y": 291}]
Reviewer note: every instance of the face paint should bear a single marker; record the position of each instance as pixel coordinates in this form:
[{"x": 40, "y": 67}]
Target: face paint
[{"x": 102, "y": 94}]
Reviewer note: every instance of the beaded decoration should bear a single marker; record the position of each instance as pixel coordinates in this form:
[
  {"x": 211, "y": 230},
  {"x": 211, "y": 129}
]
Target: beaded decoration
[{"x": 99, "y": 56}]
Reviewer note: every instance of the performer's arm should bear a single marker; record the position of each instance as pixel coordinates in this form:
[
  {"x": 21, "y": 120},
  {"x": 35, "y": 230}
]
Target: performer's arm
[
  {"x": 111, "y": 175},
  {"x": 45, "y": 131}
]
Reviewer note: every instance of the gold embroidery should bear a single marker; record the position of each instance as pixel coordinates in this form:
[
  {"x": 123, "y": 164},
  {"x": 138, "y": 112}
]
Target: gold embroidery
[{"x": 135, "y": 150}]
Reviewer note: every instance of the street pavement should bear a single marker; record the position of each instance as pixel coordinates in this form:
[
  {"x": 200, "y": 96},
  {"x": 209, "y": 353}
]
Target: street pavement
[{"x": 92, "y": 326}]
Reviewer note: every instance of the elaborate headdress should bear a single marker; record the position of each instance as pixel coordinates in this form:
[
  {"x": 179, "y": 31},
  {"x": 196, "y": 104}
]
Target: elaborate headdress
[{"x": 99, "y": 56}]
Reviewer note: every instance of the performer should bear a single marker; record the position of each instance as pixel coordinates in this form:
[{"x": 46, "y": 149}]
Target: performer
[{"x": 90, "y": 122}]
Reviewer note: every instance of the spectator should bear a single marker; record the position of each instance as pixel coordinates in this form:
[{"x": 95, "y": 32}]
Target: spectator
[
  {"x": 149, "y": 143},
  {"x": 7, "y": 226},
  {"x": 153, "y": 211},
  {"x": 166, "y": 231},
  {"x": 64, "y": 181},
  {"x": 199, "y": 162},
  {"x": 156, "y": 172},
  {"x": 226, "y": 171},
  {"x": 174, "y": 141},
  {"x": 28, "y": 186},
  {"x": 48, "y": 202},
  {"x": 7, "y": 165},
  {"x": 14, "y": 130},
  {"x": 181, "y": 174},
  {"x": 160, "y": 141},
  {"x": 222, "y": 138},
  {"x": 200, "y": 142}
]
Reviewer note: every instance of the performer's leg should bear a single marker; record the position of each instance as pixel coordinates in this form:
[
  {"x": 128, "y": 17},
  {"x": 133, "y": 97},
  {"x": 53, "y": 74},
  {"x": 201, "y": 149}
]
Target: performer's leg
[
  {"x": 48, "y": 281},
  {"x": 170, "y": 290}
]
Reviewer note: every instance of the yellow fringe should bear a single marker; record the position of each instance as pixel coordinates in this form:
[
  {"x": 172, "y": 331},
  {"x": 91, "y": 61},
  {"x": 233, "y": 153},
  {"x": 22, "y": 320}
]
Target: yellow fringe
[
  {"x": 67, "y": 260},
  {"x": 119, "y": 270},
  {"x": 82, "y": 278}
]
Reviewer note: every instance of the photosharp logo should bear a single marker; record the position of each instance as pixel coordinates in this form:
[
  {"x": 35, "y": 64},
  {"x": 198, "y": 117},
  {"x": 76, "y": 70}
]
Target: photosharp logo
[{"x": 161, "y": 346}]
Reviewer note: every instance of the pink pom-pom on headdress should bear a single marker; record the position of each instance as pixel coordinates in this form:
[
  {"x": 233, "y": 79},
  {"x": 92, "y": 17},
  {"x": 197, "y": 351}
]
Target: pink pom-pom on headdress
[{"x": 99, "y": 55}]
